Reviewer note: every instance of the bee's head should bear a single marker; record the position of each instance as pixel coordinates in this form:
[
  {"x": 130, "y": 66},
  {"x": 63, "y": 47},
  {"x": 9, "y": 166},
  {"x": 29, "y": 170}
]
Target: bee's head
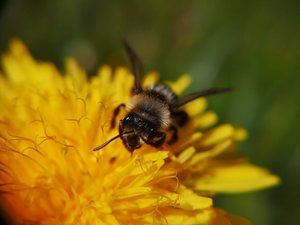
[
  {"x": 135, "y": 130},
  {"x": 130, "y": 132}
]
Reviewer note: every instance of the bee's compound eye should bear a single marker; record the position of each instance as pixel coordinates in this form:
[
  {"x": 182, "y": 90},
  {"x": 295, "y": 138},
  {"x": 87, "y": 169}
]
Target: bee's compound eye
[
  {"x": 151, "y": 132},
  {"x": 126, "y": 120}
]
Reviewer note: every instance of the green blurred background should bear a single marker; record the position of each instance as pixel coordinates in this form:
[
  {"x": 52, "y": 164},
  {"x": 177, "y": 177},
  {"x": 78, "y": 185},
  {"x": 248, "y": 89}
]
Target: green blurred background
[{"x": 253, "y": 46}]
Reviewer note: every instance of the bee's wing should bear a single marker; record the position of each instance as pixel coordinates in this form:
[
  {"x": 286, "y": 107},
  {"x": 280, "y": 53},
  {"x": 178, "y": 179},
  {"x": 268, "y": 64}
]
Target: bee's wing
[
  {"x": 136, "y": 66},
  {"x": 193, "y": 96}
]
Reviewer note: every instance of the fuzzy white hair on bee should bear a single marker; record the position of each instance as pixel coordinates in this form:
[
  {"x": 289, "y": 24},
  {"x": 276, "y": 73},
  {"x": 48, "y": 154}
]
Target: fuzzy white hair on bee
[{"x": 151, "y": 112}]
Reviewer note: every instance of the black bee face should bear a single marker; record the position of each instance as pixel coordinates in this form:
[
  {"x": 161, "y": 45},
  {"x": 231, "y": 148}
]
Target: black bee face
[
  {"x": 132, "y": 141},
  {"x": 128, "y": 128},
  {"x": 135, "y": 130}
]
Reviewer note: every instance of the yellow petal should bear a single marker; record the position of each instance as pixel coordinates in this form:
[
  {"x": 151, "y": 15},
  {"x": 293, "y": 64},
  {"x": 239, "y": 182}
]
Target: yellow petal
[
  {"x": 216, "y": 150},
  {"x": 181, "y": 84},
  {"x": 238, "y": 177},
  {"x": 216, "y": 135},
  {"x": 105, "y": 76},
  {"x": 150, "y": 78},
  {"x": 185, "y": 155},
  {"x": 191, "y": 201},
  {"x": 77, "y": 75},
  {"x": 240, "y": 134},
  {"x": 205, "y": 120},
  {"x": 19, "y": 65},
  {"x": 196, "y": 106}
]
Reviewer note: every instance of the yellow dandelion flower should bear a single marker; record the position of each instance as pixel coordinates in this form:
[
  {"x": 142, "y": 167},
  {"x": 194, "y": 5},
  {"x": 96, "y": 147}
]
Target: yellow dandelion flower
[{"x": 49, "y": 124}]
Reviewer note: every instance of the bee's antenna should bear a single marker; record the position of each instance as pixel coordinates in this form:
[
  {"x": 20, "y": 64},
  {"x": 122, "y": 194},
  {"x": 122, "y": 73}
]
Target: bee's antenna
[
  {"x": 193, "y": 96},
  {"x": 136, "y": 66},
  {"x": 112, "y": 139}
]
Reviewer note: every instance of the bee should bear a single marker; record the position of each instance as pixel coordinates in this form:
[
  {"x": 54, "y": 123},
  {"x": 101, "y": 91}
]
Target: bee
[{"x": 151, "y": 112}]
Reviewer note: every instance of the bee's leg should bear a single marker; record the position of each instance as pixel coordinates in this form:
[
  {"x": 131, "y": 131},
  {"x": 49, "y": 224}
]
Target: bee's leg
[
  {"x": 116, "y": 113},
  {"x": 174, "y": 136},
  {"x": 180, "y": 117},
  {"x": 160, "y": 139}
]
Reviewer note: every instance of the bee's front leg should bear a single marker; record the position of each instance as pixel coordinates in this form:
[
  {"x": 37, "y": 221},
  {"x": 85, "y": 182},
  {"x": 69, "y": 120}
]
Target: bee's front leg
[
  {"x": 158, "y": 139},
  {"x": 174, "y": 136},
  {"x": 115, "y": 114}
]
